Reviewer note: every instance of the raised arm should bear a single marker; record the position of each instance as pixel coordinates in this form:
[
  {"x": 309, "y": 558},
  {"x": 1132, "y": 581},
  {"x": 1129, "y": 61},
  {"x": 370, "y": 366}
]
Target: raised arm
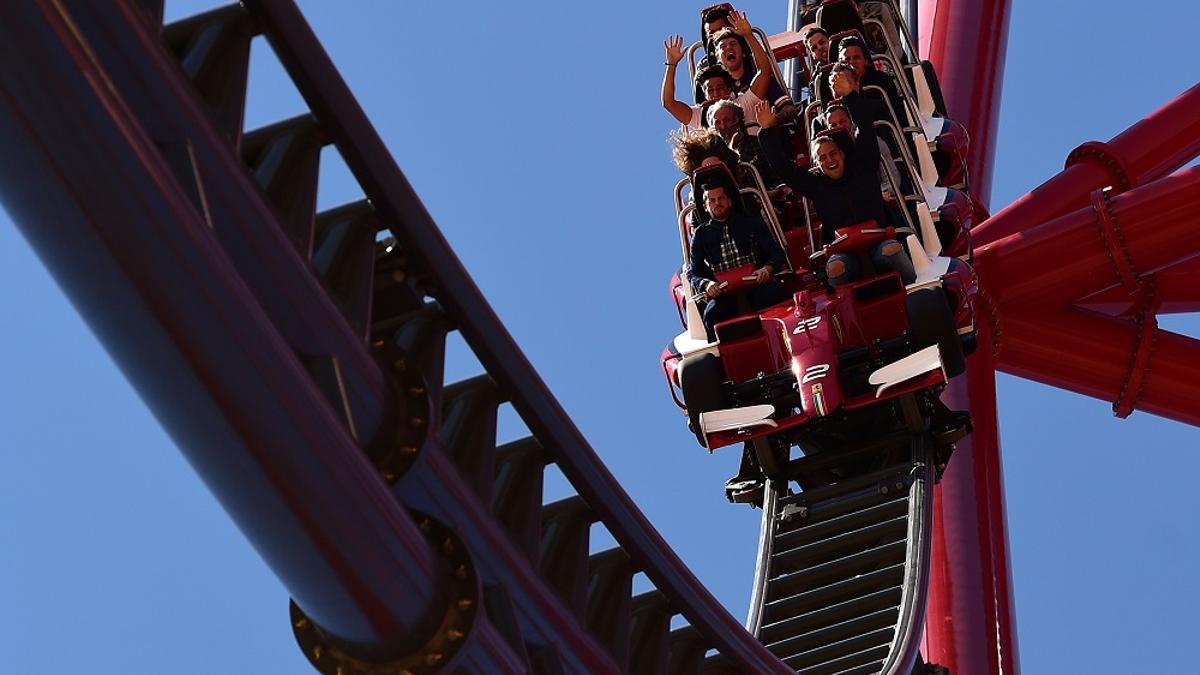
[
  {"x": 866, "y": 143},
  {"x": 673, "y": 47},
  {"x": 764, "y": 67},
  {"x": 770, "y": 141}
]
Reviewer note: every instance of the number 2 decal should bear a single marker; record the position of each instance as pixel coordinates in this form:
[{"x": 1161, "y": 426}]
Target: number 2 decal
[
  {"x": 814, "y": 372},
  {"x": 806, "y": 324}
]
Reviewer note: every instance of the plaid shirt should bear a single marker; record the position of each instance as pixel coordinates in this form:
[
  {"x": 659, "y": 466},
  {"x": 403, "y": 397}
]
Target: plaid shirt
[
  {"x": 742, "y": 239},
  {"x": 731, "y": 257}
]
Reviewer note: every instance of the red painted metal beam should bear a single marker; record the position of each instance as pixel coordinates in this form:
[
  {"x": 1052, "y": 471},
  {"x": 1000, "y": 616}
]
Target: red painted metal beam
[
  {"x": 1157, "y": 145},
  {"x": 1176, "y": 291},
  {"x": 94, "y": 196},
  {"x": 966, "y": 41},
  {"x": 970, "y": 625},
  {"x": 331, "y": 100},
  {"x": 1133, "y": 364},
  {"x": 1112, "y": 241}
]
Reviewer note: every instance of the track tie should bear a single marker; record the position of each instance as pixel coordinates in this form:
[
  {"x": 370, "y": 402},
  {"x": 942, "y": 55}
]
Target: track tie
[
  {"x": 856, "y": 651},
  {"x": 887, "y": 578},
  {"x": 891, "y": 530},
  {"x": 830, "y": 614},
  {"x": 846, "y": 630},
  {"x": 843, "y": 523}
]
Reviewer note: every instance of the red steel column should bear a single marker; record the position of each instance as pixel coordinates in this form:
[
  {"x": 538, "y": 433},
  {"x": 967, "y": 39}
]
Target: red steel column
[{"x": 970, "y": 624}]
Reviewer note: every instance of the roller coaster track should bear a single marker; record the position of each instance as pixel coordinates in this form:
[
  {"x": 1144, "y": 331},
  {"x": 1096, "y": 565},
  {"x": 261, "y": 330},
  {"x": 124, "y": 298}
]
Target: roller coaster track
[
  {"x": 297, "y": 358},
  {"x": 843, "y": 568}
]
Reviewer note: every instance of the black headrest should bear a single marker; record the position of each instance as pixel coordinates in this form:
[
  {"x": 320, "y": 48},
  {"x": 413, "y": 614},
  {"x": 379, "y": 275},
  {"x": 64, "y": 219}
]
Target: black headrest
[{"x": 836, "y": 16}]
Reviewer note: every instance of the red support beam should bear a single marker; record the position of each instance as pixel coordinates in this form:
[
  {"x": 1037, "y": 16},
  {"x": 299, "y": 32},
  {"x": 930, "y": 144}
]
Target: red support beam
[
  {"x": 966, "y": 41},
  {"x": 1115, "y": 240},
  {"x": 1176, "y": 291},
  {"x": 1133, "y": 364},
  {"x": 970, "y": 624},
  {"x": 1164, "y": 141}
]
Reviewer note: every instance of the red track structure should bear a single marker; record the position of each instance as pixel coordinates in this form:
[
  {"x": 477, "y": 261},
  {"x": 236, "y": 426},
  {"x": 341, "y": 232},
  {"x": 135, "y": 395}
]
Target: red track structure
[
  {"x": 1105, "y": 264},
  {"x": 297, "y": 357}
]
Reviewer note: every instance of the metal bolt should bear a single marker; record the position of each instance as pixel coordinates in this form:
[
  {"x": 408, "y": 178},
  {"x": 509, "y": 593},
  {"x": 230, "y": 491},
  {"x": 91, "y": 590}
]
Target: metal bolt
[
  {"x": 433, "y": 658},
  {"x": 448, "y": 546},
  {"x": 416, "y": 421},
  {"x": 399, "y": 365},
  {"x": 883, "y": 490},
  {"x": 302, "y": 623},
  {"x": 454, "y": 634},
  {"x": 408, "y": 450},
  {"x": 378, "y": 344},
  {"x": 416, "y": 391},
  {"x": 460, "y": 572},
  {"x": 465, "y": 604},
  {"x": 389, "y": 476},
  {"x": 317, "y": 653}
]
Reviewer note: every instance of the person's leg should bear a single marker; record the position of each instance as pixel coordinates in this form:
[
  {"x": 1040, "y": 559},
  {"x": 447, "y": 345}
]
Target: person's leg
[
  {"x": 890, "y": 256},
  {"x": 842, "y": 268},
  {"x": 716, "y": 311},
  {"x": 766, "y": 295}
]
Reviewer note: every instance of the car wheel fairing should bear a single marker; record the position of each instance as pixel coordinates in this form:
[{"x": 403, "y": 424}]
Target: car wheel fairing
[
  {"x": 700, "y": 379},
  {"x": 932, "y": 323}
]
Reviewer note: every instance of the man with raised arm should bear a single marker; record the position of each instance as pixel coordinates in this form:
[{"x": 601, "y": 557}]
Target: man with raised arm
[
  {"x": 717, "y": 82},
  {"x": 843, "y": 186}
]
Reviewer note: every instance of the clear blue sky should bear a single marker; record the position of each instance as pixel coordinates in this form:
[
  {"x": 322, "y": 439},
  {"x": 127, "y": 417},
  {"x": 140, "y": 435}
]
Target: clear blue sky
[{"x": 116, "y": 559}]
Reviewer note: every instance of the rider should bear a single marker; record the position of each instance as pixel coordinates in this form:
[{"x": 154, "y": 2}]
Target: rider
[
  {"x": 844, "y": 186},
  {"x": 729, "y": 238}
]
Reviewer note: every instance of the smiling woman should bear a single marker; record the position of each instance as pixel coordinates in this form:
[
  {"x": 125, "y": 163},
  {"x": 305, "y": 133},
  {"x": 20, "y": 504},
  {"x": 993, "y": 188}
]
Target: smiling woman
[{"x": 118, "y": 560}]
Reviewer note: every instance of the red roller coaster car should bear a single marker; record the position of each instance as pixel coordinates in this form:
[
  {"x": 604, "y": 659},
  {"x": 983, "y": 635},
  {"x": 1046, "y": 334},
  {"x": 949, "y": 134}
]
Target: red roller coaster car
[{"x": 829, "y": 363}]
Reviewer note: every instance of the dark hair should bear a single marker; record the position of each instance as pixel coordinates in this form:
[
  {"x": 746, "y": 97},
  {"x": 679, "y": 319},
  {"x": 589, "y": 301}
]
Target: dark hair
[
  {"x": 711, "y": 72},
  {"x": 835, "y": 106},
  {"x": 854, "y": 41},
  {"x": 843, "y": 67},
  {"x": 728, "y": 33},
  {"x": 714, "y": 14},
  {"x": 813, "y": 30},
  {"x": 711, "y": 185}
]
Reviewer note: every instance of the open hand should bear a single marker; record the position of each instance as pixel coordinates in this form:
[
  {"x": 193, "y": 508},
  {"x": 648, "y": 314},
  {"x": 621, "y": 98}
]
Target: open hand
[
  {"x": 765, "y": 114},
  {"x": 740, "y": 24},
  {"x": 674, "y": 49}
]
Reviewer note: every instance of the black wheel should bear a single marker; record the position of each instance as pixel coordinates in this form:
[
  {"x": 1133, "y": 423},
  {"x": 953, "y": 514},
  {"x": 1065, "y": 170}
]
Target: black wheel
[
  {"x": 700, "y": 378},
  {"x": 932, "y": 323},
  {"x": 772, "y": 455}
]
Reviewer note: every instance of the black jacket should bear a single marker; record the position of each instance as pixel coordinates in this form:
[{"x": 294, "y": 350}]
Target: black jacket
[{"x": 853, "y": 198}]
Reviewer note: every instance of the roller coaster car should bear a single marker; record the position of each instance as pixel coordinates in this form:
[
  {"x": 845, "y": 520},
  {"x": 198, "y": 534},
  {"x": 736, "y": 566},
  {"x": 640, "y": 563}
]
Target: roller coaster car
[{"x": 817, "y": 359}]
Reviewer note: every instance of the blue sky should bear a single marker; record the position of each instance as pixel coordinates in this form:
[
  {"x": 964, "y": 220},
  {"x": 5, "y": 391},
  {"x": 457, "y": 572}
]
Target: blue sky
[{"x": 116, "y": 559}]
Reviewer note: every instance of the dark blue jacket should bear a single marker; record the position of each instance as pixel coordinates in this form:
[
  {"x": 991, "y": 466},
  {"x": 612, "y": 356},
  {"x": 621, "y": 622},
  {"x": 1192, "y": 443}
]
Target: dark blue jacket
[{"x": 750, "y": 233}]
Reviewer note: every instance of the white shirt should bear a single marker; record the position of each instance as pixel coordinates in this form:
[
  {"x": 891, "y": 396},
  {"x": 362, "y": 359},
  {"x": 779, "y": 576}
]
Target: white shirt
[{"x": 745, "y": 100}]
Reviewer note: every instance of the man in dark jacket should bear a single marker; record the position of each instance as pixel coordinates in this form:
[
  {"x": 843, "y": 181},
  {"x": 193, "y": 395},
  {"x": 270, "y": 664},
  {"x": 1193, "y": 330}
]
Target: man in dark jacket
[
  {"x": 728, "y": 239},
  {"x": 843, "y": 186},
  {"x": 854, "y": 51}
]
